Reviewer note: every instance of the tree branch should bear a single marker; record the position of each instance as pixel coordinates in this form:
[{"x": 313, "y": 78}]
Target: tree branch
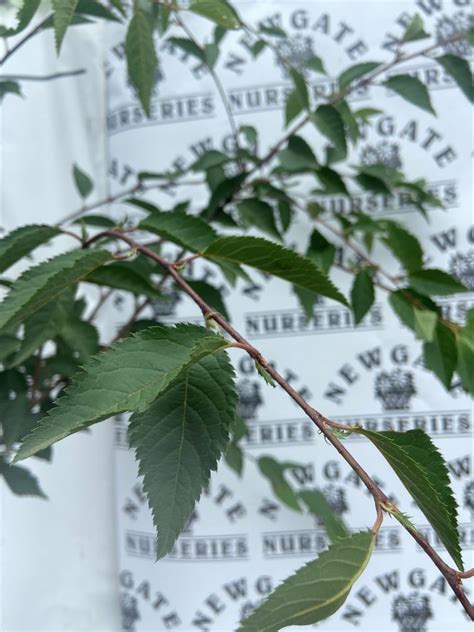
[
  {"x": 321, "y": 422},
  {"x": 136, "y": 188},
  {"x": 23, "y": 41}
]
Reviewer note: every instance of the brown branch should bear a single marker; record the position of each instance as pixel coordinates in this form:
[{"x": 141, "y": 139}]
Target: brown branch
[
  {"x": 103, "y": 298},
  {"x": 136, "y": 188},
  {"x": 125, "y": 329},
  {"x": 23, "y": 41},
  {"x": 320, "y": 421},
  {"x": 54, "y": 75}
]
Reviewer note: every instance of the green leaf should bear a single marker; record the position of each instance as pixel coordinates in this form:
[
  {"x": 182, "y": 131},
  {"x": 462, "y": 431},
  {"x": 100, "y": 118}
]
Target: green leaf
[
  {"x": 43, "y": 283},
  {"x": 362, "y": 295},
  {"x": 412, "y": 90},
  {"x": 223, "y": 194},
  {"x": 425, "y": 324},
  {"x": 285, "y": 212},
  {"x": 329, "y": 122},
  {"x": 8, "y": 345},
  {"x": 211, "y": 295},
  {"x": 300, "y": 87},
  {"x": 306, "y": 300},
  {"x": 179, "y": 441},
  {"x": 440, "y": 355},
  {"x": 250, "y": 134},
  {"x": 275, "y": 473},
  {"x": 23, "y": 241},
  {"x": 415, "y": 30},
  {"x": 350, "y": 121},
  {"x": 321, "y": 251},
  {"x": 118, "y": 4},
  {"x": 273, "y": 259},
  {"x": 318, "y": 505},
  {"x": 387, "y": 174},
  {"x": 293, "y": 107},
  {"x": 421, "y": 468},
  {"x": 211, "y": 54},
  {"x": 262, "y": 371},
  {"x": 20, "y": 480},
  {"x": 331, "y": 181},
  {"x": 124, "y": 276},
  {"x": 218, "y": 11},
  {"x": 141, "y": 57},
  {"x": 97, "y": 10},
  {"x": 234, "y": 458},
  {"x": 460, "y": 71},
  {"x": 126, "y": 378},
  {"x": 404, "y": 246},
  {"x": 403, "y": 304},
  {"x": 209, "y": 160},
  {"x": 187, "y": 231},
  {"x": 44, "y": 325},
  {"x": 25, "y": 14},
  {"x": 17, "y": 419},
  {"x": 465, "y": 352},
  {"x": 81, "y": 336},
  {"x": 372, "y": 183},
  {"x": 274, "y": 31},
  {"x": 298, "y": 156},
  {"x": 62, "y": 17},
  {"x": 9, "y": 87},
  {"x": 82, "y": 181},
  {"x": 316, "y": 63},
  {"x": 188, "y": 46},
  {"x": 432, "y": 282},
  {"x": 254, "y": 212},
  {"x": 316, "y": 590},
  {"x": 356, "y": 72},
  {"x": 75, "y": 20},
  {"x": 470, "y": 316},
  {"x": 365, "y": 114},
  {"x": 99, "y": 221}
]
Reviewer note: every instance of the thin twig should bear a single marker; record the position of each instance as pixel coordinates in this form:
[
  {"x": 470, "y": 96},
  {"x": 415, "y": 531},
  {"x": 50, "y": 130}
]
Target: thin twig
[
  {"x": 219, "y": 86},
  {"x": 103, "y": 298},
  {"x": 138, "y": 187},
  {"x": 125, "y": 329},
  {"x": 23, "y": 41},
  {"x": 55, "y": 75}
]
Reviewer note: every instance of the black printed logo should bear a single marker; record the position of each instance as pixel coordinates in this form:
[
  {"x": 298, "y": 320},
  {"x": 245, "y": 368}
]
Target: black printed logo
[
  {"x": 411, "y": 612},
  {"x": 461, "y": 266},
  {"x": 248, "y": 607},
  {"x": 295, "y": 51},
  {"x": 395, "y": 389},
  {"x": 336, "y": 497},
  {"x": 449, "y": 25},
  {"x": 166, "y": 304},
  {"x": 383, "y": 152},
  {"x": 129, "y": 611},
  {"x": 468, "y": 497},
  {"x": 250, "y": 398}
]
